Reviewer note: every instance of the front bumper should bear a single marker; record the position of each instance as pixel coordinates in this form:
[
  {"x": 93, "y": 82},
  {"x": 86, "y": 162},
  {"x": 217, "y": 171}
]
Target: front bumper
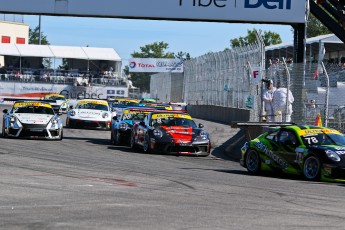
[
  {"x": 196, "y": 149},
  {"x": 34, "y": 131},
  {"x": 333, "y": 172},
  {"x": 79, "y": 123}
]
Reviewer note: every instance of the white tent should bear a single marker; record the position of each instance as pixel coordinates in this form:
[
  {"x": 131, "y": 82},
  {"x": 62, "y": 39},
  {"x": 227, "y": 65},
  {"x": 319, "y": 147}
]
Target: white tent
[{"x": 73, "y": 52}]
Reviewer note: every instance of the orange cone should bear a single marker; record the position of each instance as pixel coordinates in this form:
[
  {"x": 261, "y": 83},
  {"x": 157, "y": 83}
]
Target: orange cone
[{"x": 318, "y": 121}]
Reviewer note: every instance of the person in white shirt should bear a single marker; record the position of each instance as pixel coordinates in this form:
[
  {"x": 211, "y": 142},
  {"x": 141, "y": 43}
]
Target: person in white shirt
[
  {"x": 282, "y": 104},
  {"x": 267, "y": 97}
]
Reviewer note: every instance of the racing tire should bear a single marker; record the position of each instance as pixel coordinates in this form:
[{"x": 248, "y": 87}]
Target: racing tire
[
  {"x": 146, "y": 145},
  {"x": 68, "y": 124},
  {"x": 61, "y": 135},
  {"x": 3, "y": 134},
  {"x": 117, "y": 140},
  {"x": 253, "y": 162},
  {"x": 112, "y": 138},
  {"x": 132, "y": 144},
  {"x": 312, "y": 168}
]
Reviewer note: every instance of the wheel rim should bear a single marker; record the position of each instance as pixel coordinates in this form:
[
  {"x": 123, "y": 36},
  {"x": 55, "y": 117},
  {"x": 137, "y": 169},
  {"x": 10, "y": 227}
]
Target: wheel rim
[
  {"x": 252, "y": 161},
  {"x": 311, "y": 168}
]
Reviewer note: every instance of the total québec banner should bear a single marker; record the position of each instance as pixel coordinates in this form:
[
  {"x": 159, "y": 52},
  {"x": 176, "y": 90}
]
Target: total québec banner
[{"x": 155, "y": 65}]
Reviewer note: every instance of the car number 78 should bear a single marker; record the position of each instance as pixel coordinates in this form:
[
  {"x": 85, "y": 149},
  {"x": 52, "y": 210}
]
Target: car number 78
[{"x": 311, "y": 140}]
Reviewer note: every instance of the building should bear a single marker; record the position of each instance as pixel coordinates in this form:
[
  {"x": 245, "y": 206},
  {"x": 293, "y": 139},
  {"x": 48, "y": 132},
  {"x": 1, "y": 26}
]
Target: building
[{"x": 13, "y": 33}]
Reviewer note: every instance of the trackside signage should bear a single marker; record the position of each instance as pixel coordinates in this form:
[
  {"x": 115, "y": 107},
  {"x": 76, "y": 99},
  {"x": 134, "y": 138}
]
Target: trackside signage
[
  {"x": 269, "y": 11},
  {"x": 155, "y": 65}
]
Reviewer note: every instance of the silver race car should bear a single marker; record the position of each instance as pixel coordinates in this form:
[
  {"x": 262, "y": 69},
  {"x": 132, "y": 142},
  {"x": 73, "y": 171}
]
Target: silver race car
[{"x": 32, "y": 119}]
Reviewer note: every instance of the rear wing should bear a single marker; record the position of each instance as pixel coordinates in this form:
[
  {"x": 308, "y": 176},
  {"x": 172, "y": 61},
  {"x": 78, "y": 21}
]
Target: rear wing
[{"x": 255, "y": 129}]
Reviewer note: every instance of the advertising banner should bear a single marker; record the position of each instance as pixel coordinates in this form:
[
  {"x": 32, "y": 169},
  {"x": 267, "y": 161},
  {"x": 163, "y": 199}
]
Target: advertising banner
[
  {"x": 155, "y": 65},
  {"x": 268, "y": 11},
  {"x": 37, "y": 91},
  {"x": 256, "y": 75}
]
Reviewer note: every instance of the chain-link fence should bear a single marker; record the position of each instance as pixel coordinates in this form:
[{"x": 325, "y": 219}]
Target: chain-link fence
[{"x": 223, "y": 79}]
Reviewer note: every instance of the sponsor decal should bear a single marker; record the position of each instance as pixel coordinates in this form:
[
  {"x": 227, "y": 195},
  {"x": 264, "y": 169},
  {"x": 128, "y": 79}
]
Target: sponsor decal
[
  {"x": 173, "y": 115},
  {"x": 307, "y": 132},
  {"x": 27, "y": 104},
  {"x": 83, "y": 102},
  {"x": 263, "y": 148}
]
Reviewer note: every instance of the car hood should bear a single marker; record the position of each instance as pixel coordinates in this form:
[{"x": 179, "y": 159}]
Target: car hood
[
  {"x": 32, "y": 118},
  {"x": 89, "y": 113},
  {"x": 179, "y": 133}
]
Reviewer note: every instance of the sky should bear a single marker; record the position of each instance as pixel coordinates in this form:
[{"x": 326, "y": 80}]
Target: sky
[{"x": 128, "y": 35}]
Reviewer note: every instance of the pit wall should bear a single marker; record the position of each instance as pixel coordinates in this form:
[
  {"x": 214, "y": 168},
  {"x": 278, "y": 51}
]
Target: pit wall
[{"x": 219, "y": 114}]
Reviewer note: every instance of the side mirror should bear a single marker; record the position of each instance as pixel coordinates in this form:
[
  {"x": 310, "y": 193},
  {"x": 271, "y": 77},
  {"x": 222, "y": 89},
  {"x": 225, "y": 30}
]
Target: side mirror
[
  {"x": 5, "y": 111},
  {"x": 201, "y": 126}
]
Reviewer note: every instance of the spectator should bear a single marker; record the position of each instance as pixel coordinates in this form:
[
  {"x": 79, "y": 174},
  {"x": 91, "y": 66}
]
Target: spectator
[
  {"x": 282, "y": 103},
  {"x": 267, "y": 97}
]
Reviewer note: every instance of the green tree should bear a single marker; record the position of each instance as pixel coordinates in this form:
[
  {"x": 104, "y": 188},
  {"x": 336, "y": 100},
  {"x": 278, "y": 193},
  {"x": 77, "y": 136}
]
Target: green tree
[
  {"x": 34, "y": 39},
  {"x": 270, "y": 38},
  {"x": 315, "y": 27},
  {"x": 154, "y": 50}
]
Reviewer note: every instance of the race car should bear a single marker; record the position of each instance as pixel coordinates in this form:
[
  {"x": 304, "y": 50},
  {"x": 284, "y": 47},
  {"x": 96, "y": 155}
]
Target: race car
[
  {"x": 121, "y": 127},
  {"x": 60, "y": 104},
  {"x": 170, "y": 132},
  {"x": 90, "y": 113},
  {"x": 32, "y": 119},
  {"x": 317, "y": 153}
]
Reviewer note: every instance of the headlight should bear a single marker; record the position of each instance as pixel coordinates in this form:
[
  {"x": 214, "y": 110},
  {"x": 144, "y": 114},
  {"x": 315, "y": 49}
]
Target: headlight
[
  {"x": 123, "y": 126},
  {"x": 72, "y": 113},
  {"x": 203, "y": 135},
  {"x": 13, "y": 119},
  {"x": 332, "y": 155},
  {"x": 105, "y": 115},
  {"x": 157, "y": 133}
]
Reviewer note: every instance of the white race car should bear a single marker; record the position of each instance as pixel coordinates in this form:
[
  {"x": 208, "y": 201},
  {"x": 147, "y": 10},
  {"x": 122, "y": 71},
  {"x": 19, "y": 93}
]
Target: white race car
[
  {"x": 90, "y": 113},
  {"x": 60, "y": 105},
  {"x": 33, "y": 119}
]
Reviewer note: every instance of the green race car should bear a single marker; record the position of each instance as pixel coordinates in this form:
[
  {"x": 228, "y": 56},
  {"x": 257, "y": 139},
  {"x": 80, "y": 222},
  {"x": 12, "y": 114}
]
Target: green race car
[{"x": 317, "y": 153}]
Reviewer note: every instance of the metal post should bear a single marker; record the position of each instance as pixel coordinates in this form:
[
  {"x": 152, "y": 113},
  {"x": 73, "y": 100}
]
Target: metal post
[
  {"x": 39, "y": 30},
  {"x": 327, "y": 93}
]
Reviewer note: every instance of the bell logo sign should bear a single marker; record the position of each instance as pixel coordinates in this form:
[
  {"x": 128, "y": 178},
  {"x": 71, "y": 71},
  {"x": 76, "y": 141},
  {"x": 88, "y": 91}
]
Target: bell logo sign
[
  {"x": 256, "y": 75},
  {"x": 268, "y": 4}
]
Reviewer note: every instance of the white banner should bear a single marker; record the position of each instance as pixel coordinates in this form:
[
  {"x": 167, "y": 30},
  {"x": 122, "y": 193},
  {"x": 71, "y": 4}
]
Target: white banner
[
  {"x": 155, "y": 65},
  {"x": 269, "y": 11}
]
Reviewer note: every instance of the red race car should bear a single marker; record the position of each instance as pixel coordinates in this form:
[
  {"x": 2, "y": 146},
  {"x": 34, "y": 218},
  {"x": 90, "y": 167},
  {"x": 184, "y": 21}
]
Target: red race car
[{"x": 170, "y": 132}]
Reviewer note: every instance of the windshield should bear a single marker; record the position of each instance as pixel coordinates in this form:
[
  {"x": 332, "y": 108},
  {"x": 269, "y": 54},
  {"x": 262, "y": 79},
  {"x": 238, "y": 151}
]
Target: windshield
[
  {"x": 135, "y": 116},
  {"x": 56, "y": 98},
  {"x": 324, "y": 139},
  {"x": 173, "y": 121},
  {"x": 33, "y": 109},
  {"x": 92, "y": 106}
]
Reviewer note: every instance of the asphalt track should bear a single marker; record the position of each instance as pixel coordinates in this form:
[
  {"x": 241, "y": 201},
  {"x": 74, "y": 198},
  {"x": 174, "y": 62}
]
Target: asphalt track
[{"x": 83, "y": 182}]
